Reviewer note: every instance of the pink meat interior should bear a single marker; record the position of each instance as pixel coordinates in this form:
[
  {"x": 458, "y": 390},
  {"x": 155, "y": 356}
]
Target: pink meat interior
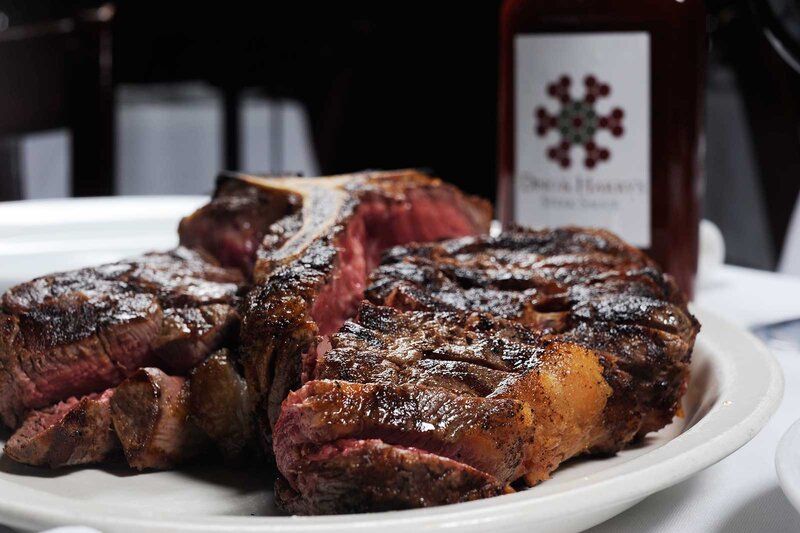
[
  {"x": 43, "y": 419},
  {"x": 377, "y": 225}
]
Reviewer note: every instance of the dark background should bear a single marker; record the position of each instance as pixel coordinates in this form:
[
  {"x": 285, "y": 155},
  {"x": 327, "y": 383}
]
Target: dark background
[{"x": 384, "y": 85}]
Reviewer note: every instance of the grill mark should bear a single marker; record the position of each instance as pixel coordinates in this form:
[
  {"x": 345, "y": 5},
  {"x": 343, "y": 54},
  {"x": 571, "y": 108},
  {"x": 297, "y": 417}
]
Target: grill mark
[{"x": 437, "y": 355}]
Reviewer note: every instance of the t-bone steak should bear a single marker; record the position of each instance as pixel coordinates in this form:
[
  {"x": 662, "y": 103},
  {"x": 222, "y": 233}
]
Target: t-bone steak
[{"x": 481, "y": 361}]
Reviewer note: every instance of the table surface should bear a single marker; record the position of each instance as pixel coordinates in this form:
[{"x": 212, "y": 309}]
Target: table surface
[{"x": 740, "y": 493}]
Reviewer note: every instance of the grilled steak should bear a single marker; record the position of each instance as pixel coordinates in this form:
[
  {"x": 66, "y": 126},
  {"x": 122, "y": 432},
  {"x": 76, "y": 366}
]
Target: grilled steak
[
  {"x": 220, "y": 405},
  {"x": 232, "y": 226},
  {"x": 158, "y": 417},
  {"x": 484, "y": 393},
  {"x": 584, "y": 286},
  {"x": 150, "y": 412},
  {"x": 504, "y": 355},
  {"x": 73, "y": 432},
  {"x": 312, "y": 267},
  {"x": 444, "y": 372},
  {"x": 189, "y": 334},
  {"x": 388, "y": 477},
  {"x": 83, "y": 331}
]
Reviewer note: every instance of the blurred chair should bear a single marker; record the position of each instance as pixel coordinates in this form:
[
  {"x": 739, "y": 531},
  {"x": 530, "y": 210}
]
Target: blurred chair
[
  {"x": 57, "y": 74},
  {"x": 753, "y": 163},
  {"x": 790, "y": 259},
  {"x": 383, "y": 85}
]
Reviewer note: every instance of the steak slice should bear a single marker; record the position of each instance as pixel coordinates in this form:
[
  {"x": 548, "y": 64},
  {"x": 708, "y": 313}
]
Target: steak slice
[
  {"x": 73, "y": 432},
  {"x": 220, "y": 406},
  {"x": 189, "y": 334},
  {"x": 155, "y": 414},
  {"x": 579, "y": 285},
  {"x": 150, "y": 412},
  {"x": 73, "y": 345},
  {"x": 389, "y": 478},
  {"x": 83, "y": 331},
  {"x": 490, "y": 434},
  {"x": 540, "y": 403},
  {"x": 232, "y": 226},
  {"x": 313, "y": 264}
]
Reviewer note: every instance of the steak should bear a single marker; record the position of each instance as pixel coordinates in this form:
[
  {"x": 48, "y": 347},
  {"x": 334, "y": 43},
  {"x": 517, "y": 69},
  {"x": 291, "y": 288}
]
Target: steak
[
  {"x": 389, "y": 477},
  {"x": 162, "y": 420},
  {"x": 189, "y": 334},
  {"x": 312, "y": 267},
  {"x": 73, "y": 432},
  {"x": 219, "y": 404},
  {"x": 499, "y": 355},
  {"x": 578, "y": 285},
  {"x": 150, "y": 412},
  {"x": 231, "y": 227},
  {"x": 83, "y": 331},
  {"x": 392, "y": 354},
  {"x": 481, "y": 392}
]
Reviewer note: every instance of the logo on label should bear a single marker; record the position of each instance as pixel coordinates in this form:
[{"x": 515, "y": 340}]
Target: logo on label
[{"x": 577, "y": 121}]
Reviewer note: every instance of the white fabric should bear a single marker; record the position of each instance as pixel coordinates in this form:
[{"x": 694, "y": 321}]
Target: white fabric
[{"x": 740, "y": 494}]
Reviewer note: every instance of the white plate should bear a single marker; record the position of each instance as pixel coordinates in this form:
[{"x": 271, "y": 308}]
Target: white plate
[
  {"x": 736, "y": 385},
  {"x": 787, "y": 464},
  {"x": 37, "y": 237}
]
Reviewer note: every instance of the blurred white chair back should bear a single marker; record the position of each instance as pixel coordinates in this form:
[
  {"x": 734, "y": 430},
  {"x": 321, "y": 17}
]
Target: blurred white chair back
[{"x": 790, "y": 257}]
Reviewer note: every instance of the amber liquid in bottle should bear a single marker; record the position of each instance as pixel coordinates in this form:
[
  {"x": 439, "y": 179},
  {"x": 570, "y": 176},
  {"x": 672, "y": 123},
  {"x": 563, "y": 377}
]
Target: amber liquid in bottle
[{"x": 601, "y": 120}]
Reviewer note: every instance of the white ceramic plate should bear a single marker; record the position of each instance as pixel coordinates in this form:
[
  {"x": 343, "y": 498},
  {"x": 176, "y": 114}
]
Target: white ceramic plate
[
  {"x": 39, "y": 236},
  {"x": 736, "y": 385},
  {"x": 787, "y": 464}
]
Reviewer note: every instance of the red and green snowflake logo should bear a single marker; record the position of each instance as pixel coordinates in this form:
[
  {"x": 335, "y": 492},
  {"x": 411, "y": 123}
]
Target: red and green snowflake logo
[{"x": 578, "y": 121}]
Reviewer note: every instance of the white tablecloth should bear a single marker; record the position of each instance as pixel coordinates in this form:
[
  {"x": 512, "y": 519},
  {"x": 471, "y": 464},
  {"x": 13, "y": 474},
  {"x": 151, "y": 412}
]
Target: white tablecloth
[{"x": 740, "y": 493}]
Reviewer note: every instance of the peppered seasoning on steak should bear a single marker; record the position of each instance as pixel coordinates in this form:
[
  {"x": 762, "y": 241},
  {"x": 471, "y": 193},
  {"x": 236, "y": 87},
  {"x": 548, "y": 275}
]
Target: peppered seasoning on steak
[
  {"x": 388, "y": 478},
  {"x": 507, "y": 355}
]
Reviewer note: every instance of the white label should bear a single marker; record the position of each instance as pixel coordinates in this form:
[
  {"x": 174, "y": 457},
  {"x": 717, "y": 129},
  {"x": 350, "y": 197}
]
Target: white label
[{"x": 582, "y": 131}]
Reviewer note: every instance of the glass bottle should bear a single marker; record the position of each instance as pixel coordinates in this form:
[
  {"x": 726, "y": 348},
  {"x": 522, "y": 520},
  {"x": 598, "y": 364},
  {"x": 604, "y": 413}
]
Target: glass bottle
[{"x": 601, "y": 120}]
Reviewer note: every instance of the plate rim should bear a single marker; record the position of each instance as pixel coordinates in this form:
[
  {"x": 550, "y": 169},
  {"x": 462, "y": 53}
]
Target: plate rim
[
  {"x": 733, "y": 420},
  {"x": 786, "y": 460}
]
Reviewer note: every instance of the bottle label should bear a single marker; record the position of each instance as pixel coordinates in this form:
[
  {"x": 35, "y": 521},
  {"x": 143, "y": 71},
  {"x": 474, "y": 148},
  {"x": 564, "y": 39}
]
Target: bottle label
[{"x": 582, "y": 131}]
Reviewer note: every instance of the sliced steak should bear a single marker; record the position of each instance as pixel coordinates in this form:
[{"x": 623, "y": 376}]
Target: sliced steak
[
  {"x": 79, "y": 332},
  {"x": 312, "y": 267},
  {"x": 74, "y": 344},
  {"x": 487, "y": 433},
  {"x": 578, "y": 285},
  {"x": 150, "y": 412},
  {"x": 220, "y": 406},
  {"x": 189, "y": 334},
  {"x": 389, "y": 478},
  {"x": 73, "y": 432},
  {"x": 232, "y": 226}
]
